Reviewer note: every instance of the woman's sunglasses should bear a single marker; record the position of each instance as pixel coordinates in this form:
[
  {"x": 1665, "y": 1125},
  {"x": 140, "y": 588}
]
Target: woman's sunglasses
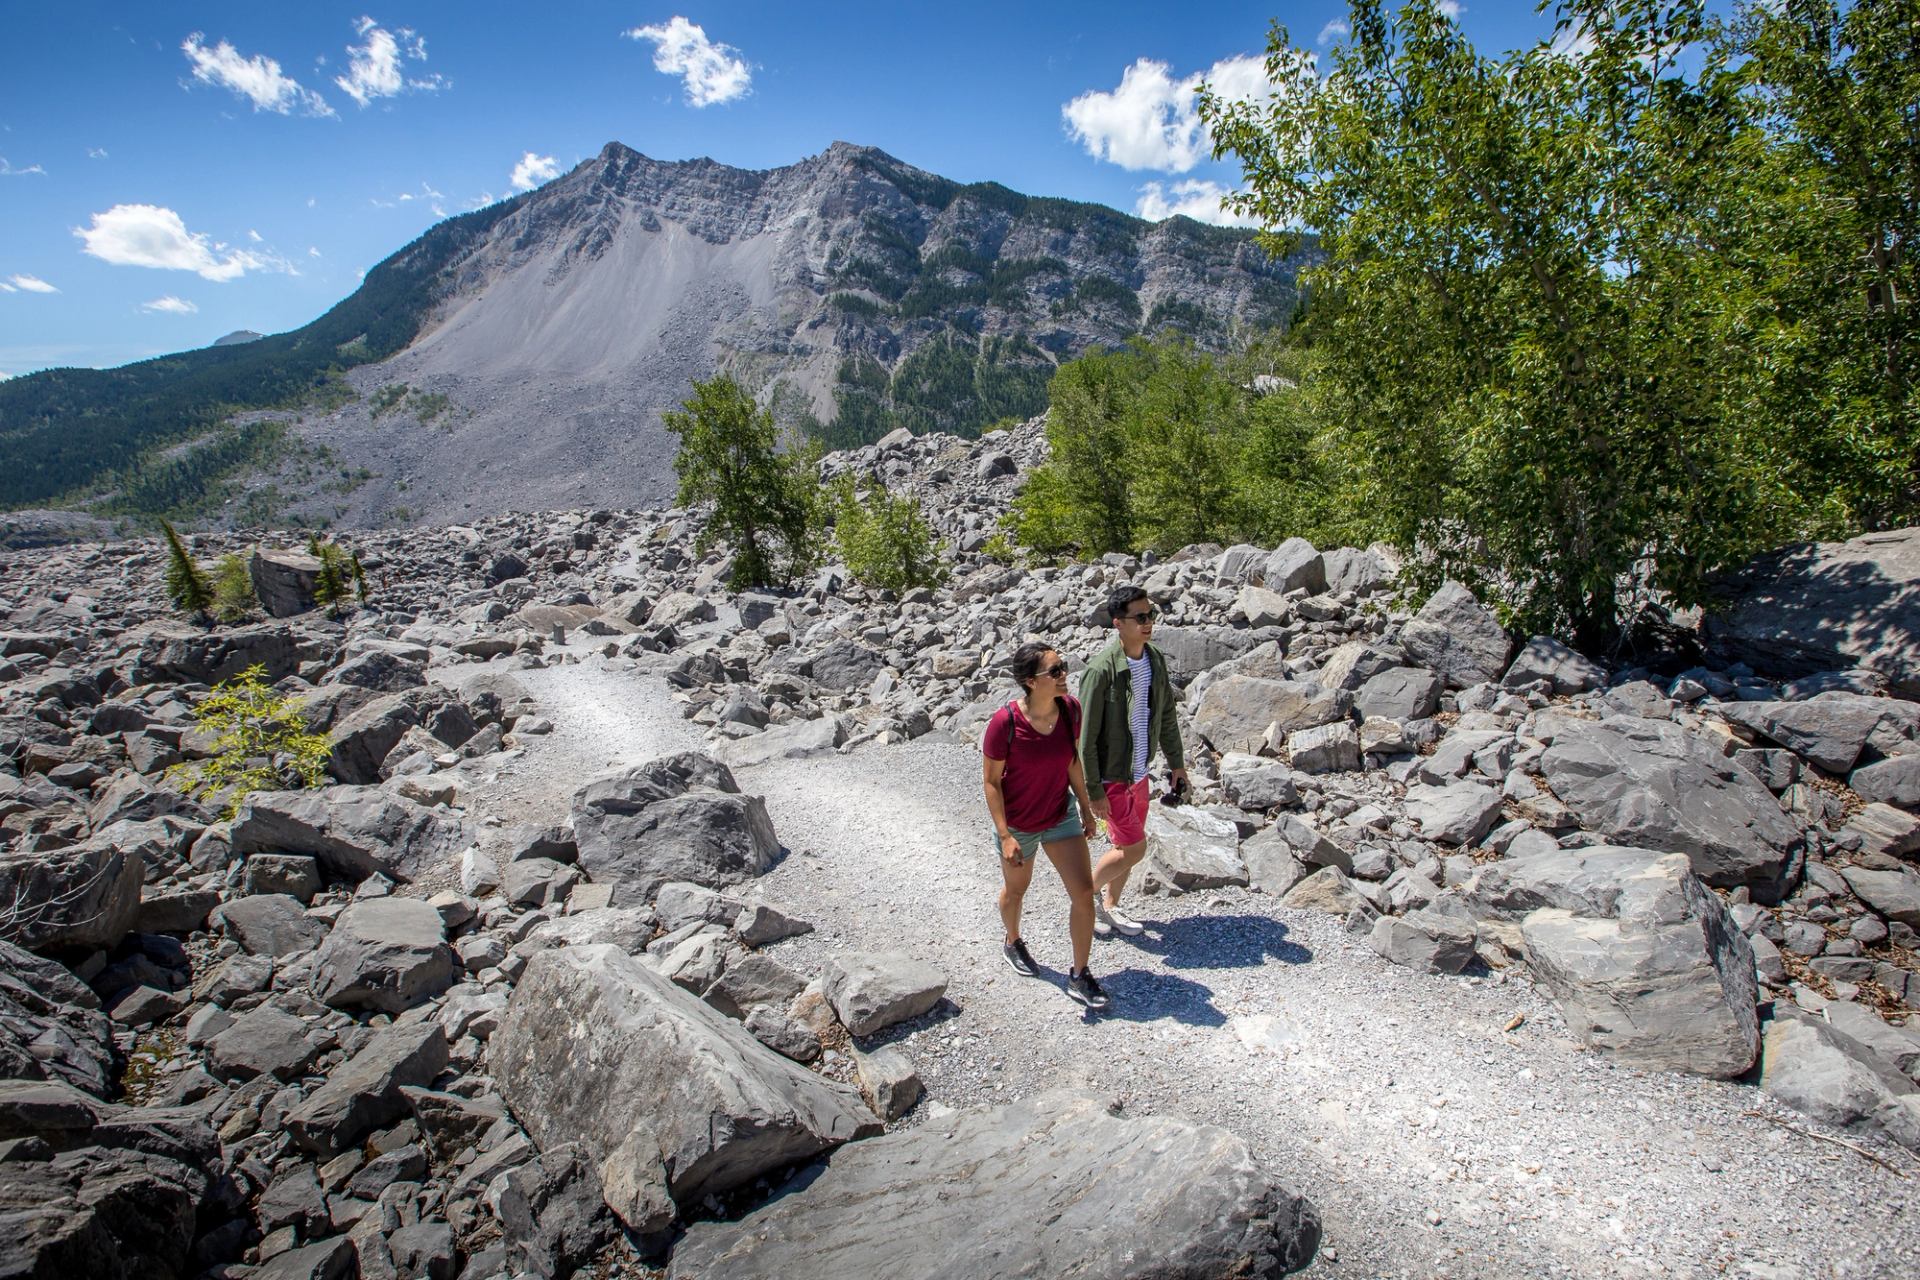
[{"x": 1058, "y": 671}]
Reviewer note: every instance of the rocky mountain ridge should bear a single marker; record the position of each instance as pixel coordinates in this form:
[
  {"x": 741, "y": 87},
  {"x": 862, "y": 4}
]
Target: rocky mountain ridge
[
  {"x": 325, "y": 1034},
  {"x": 520, "y": 357}
]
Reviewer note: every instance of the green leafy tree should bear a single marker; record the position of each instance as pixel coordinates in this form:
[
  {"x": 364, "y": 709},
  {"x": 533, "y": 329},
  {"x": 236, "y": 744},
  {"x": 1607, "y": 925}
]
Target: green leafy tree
[
  {"x": 260, "y": 743},
  {"x": 335, "y": 580},
  {"x": 885, "y": 540},
  {"x": 765, "y": 503},
  {"x": 233, "y": 594},
  {"x": 187, "y": 584}
]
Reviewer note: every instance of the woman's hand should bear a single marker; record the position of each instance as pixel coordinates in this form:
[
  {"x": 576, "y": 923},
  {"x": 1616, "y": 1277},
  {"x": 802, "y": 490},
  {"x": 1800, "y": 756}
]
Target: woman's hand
[{"x": 1009, "y": 848}]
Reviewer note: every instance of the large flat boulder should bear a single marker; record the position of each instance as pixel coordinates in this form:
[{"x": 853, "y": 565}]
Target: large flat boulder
[
  {"x": 1822, "y": 606},
  {"x": 1830, "y": 730},
  {"x": 782, "y": 742},
  {"x": 674, "y": 1099},
  {"x": 51, "y": 1025},
  {"x": 1051, "y": 1186},
  {"x": 1236, "y": 712},
  {"x": 365, "y": 1092},
  {"x": 1665, "y": 983},
  {"x": 1653, "y": 785},
  {"x": 384, "y": 954},
  {"x": 1189, "y": 848},
  {"x": 180, "y": 654},
  {"x": 1458, "y": 637},
  {"x": 1399, "y": 693},
  {"x": 1817, "y": 1068},
  {"x": 1544, "y": 658},
  {"x": 86, "y": 895},
  {"x": 351, "y": 831},
  {"x": 1457, "y": 814},
  {"x": 680, "y": 817},
  {"x": 269, "y": 924},
  {"x": 872, "y": 990},
  {"x": 283, "y": 580}
]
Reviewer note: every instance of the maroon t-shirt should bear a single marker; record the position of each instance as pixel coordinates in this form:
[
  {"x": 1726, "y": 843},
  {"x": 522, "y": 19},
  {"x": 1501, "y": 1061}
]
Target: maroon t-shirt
[{"x": 1035, "y": 781}]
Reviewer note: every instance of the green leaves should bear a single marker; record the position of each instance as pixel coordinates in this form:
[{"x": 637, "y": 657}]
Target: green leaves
[
  {"x": 1597, "y": 312},
  {"x": 260, "y": 743},
  {"x": 885, "y": 540},
  {"x": 766, "y": 504}
]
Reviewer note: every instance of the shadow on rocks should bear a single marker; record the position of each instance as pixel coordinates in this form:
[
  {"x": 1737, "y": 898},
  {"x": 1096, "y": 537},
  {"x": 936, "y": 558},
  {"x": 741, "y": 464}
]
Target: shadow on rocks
[
  {"x": 1143, "y": 995},
  {"x": 1219, "y": 942},
  {"x": 943, "y": 1011}
]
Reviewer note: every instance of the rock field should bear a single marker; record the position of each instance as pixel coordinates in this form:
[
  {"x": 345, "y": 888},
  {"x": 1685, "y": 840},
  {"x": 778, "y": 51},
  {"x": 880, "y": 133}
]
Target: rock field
[{"x": 631, "y": 902}]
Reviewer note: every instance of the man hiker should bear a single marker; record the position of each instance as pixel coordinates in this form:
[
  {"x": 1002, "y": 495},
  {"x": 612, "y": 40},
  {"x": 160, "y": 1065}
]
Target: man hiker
[{"x": 1127, "y": 713}]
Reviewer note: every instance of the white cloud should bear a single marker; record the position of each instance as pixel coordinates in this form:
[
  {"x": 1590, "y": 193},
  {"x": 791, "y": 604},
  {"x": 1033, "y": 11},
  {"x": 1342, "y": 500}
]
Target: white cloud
[
  {"x": 253, "y": 235},
  {"x": 145, "y": 235},
  {"x": 8, "y": 171},
  {"x": 170, "y": 304},
  {"x": 532, "y": 171},
  {"x": 1335, "y": 30},
  {"x": 7, "y": 288},
  {"x": 258, "y": 79},
  {"x": 1574, "y": 42},
  {"x": 1152, "y": 121},
  {"x": 6, "y": 377},
  {"x": 313, "y": 251},
  {"x": 1452, "y": 9},
  {"x": 374, "y": 69},
  {"x": 1194, "y": 198},
  {"x": 713, "y": 72},
  {"x": 32, "y": 284},
  {"x": 96, "y": 153}
]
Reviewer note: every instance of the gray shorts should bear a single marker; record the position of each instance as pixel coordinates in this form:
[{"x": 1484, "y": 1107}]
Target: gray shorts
[{"x": 1030, "y": 841}]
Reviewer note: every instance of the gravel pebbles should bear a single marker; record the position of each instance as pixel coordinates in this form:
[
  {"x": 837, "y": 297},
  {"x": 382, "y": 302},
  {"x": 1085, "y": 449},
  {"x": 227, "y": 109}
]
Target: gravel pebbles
[{"x": 1436, "y": 1136}]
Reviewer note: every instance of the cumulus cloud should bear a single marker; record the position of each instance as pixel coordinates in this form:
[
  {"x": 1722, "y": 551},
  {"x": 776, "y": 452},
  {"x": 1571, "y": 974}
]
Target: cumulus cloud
[
  {"x": 375, "y": 67},
  {"x": 96, "y": 153},
  {"x": 1452, "y": 9},
  {"x": 32, "y": 284},
  {"x": 1194, "y": 198},
  {"x": 171, "y": 305},
  {"x": 713, "y": 72},
  {"x": 1335, "y": 30},
  {"x": 145, "y": 235},
  {"x": 1152, "y": 120},
  {"x": 8, "y": 171},
  {"x": 532, "y": 171},
  {"x": 258, "y": 79}
]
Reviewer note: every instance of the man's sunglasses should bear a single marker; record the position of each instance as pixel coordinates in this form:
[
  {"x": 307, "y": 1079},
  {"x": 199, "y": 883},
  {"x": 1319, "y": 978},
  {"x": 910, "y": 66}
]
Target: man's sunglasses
[{"x": 1141, "y": 619}]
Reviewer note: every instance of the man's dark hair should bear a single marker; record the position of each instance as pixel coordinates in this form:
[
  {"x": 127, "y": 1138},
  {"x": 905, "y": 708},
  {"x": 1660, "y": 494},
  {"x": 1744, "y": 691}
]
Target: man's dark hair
[
  {"x": 1120, "y": 597},
  {"x": 1026, "y": 661}
]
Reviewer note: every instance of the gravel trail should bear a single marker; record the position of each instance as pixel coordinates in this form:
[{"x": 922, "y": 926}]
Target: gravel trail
[{"x": 1435, "y": 1137}]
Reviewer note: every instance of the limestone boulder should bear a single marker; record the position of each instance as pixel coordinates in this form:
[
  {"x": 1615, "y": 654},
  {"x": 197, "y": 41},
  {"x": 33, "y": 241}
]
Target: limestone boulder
[
  {"x": 1830, "y": 730},
  {"x": 871, "y": 991},
  {"x": 1399, "y": 693},
  {"x": 269, "y": 924},
  {"x": 1189, "y": 849},
  {"x": 1666, "y": 983},
  {"x": 1458, "y": 637},
  {"x": 384, "y": 954},
  {"x": 1236, "y": 712},
  {"x": 1827, "y": 606},
  {"x": 1544, "y": 658},
  {"x": 351, "y": 831},
  {"x": 86, "y": 895},
  {"x": 1424, "y": 940},
  {"x": 673, "y": 1099},
  {"x": 1074, "y": 1191},
  {"x": 1459, "y": 813},
  {"x": 283, "y": 580},
  {"x": 1653, "y": 785},
  {"x": 367, "y": 1090},
  {"x": 51, "y": 1025},
  {"x": 1295, "y": 565},
  {"x": 1816, "y": 1068},
  {"x": 680, "y": 817}
]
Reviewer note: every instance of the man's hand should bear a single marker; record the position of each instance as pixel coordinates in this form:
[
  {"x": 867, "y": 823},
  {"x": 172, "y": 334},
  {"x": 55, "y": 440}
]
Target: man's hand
[
  {"x": 1176, "y": 779},
  {"x": 1101, "y": 809}
]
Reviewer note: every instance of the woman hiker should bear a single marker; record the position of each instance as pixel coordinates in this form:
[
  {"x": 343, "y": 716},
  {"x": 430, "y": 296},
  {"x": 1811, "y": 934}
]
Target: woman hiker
[{"x": 1038, "y": 799}]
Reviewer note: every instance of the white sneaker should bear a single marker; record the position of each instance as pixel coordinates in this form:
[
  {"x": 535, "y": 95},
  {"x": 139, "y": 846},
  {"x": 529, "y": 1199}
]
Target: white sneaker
[
  {"x": 1102, "y": 922},
  {"x": 1123, "y": 922}
]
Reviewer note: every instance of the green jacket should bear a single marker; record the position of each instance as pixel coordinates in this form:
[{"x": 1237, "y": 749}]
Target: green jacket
[{"x": 1106, "y": 701}]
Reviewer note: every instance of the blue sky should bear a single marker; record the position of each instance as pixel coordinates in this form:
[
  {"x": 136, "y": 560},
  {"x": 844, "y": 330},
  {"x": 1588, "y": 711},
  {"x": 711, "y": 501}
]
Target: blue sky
[{"x": 172, "y": 172}]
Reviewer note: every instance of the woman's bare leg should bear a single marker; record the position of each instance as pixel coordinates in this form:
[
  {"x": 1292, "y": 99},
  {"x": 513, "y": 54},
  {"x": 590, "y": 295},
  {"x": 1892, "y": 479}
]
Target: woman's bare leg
[
  {"x": 1070, "y": 858},
  {"x": 1014, "y": 879}
]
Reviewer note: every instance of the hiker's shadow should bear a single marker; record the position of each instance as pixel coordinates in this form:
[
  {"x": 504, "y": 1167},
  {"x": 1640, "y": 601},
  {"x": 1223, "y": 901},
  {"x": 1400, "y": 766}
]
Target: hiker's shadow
[
  {"x": 1220, "y": 942},
  {"x": 1145, "y": 995}
]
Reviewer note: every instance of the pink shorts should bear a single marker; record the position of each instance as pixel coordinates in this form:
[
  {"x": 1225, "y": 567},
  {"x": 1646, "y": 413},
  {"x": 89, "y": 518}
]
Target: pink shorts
[{"x": 1126, "y": 812}]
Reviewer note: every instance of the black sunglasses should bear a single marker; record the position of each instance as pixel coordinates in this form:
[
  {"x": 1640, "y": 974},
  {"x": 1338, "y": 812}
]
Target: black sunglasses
[
  {"x": 1141, "y": 619},
  {"x": 1058, "y": 671}
]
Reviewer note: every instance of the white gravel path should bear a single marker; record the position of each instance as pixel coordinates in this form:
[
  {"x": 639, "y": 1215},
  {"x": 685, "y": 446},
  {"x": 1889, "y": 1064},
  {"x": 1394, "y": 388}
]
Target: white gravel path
[{"x": 1433, "y": 1142}]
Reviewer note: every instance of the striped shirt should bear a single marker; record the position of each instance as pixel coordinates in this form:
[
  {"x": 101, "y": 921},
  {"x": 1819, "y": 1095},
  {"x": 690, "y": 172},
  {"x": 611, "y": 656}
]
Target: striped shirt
[{"x": 1138, "y": 715}]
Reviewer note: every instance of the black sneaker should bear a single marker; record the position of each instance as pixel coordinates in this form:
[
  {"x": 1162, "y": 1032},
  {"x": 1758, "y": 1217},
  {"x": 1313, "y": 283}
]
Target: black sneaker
[
  {"x": 1017, "y": 957},
  {"x": 1082, "y": 987}
]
